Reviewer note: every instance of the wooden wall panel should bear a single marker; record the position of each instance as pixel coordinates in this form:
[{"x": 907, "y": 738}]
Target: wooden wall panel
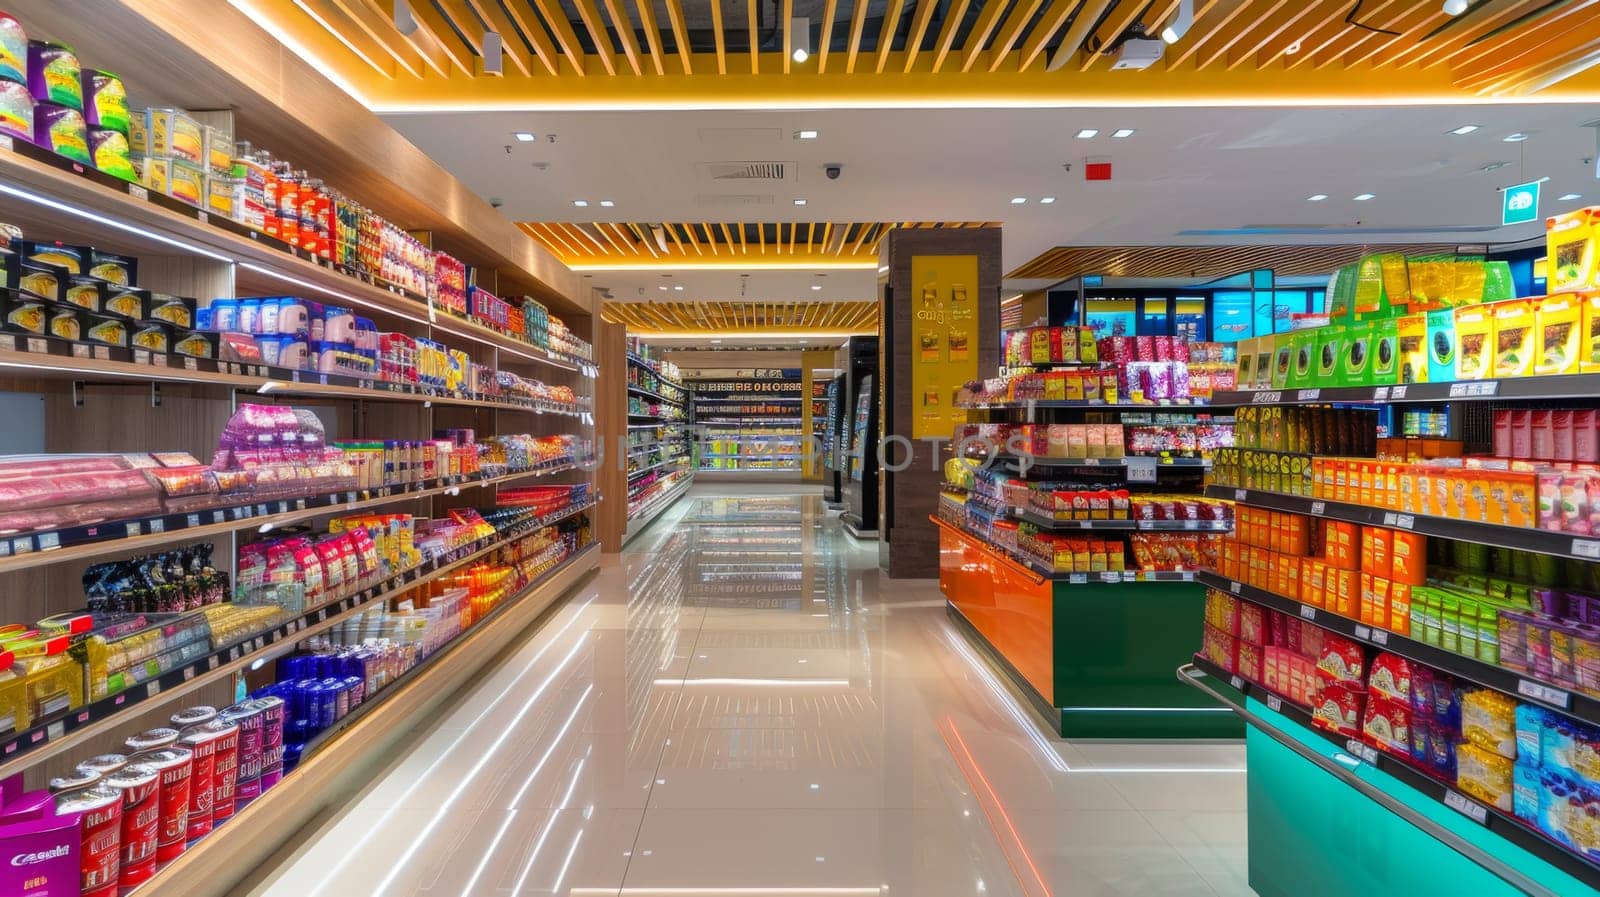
[{"x": 611, "y": 428}]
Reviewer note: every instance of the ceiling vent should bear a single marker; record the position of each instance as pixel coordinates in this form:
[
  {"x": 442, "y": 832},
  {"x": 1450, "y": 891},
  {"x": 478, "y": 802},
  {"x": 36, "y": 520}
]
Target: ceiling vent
[{"x": 748, "y": 171}]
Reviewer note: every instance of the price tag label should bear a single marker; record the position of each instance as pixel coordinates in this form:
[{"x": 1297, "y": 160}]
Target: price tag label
[
  {"x": 1318, "y": 508},
  {"x": 1233, "y": 587},
  {"x": 1366, "y": 752},
  {"x": 1380, "y": 394},
  {"x": 204, "y": 218},
  {"x": 190, "y": 364},
  {"x": 1379, "y": 637},
  {"x": 193, "y": 520},
  {"x": 220, "y": 516},
  {"x": 1364, "y": 633},
  {"x": 158, "y": 525},
  {"x": 1398, "y": 392},
  {"x": 134, "y": 190},
  {"x": 1191, "y": 524},
  {"x": 1468, "y": 808},
  {"x": 1459, "y": 390},
  {"x": 233, "y": 654},
  {"x": 1390, "y": 518},
  {"x": 1267, "y": 398},
  {"x": 212, "y": 663},
  {"x": 1141, "y": 470},
  {"x": 36, "y": 344},
  {"x": 55, "y": 730},
  {"x": 141, "y": 356},
  {"x": 1405, "y": 521},
  {"x": 152, "y": 689},
  {"x": 48, "y": 541},
  {"x": 1241, "y": 494},
  {"x": 1236, "y": 682},
  {"x": 1586, "y": 548},
  {"x": 8, "y": 342},
  {"x": 1309, "y": 395},
  {"x": 258, "y": 643},
  {"x": 101, "y": 353},
  {"x": 350, "y": 497},
  {"x": 1538, "y": 691},
  {"x": 261, "y": 510},
  {"x": 1308, "y": 612},
  {"x": 132, "y": 530},
  {"x": 188, "y": 673}
]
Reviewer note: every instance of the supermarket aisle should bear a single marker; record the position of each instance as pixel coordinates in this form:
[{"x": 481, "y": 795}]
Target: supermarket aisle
[{"x": 740, "y": 706}]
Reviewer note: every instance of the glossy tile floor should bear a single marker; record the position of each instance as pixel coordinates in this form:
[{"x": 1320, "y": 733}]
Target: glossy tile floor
[{"x": 741, "y": 706}]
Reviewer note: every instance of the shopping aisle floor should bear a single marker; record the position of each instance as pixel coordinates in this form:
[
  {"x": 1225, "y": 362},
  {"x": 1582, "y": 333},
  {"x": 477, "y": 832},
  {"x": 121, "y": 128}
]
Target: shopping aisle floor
[{"x": 741, "y": 706}]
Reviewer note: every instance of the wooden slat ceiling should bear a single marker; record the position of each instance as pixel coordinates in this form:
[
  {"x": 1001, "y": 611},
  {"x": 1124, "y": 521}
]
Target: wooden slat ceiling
[
  {"x": 1497, "y": 48},
  {"x": 1206, "y": 262},
  {"x": 596, "y": 244},
  {"x": 853, "y": 316}
]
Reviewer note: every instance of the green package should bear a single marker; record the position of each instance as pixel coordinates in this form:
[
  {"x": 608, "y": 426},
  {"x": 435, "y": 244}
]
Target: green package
[
  {"x": 1356, "y": 366},
  {"x": 1330, "y": 348}
]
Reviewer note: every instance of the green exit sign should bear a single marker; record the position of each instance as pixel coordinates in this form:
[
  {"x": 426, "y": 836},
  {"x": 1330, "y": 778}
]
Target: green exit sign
[{"x": 1520, "y": 204}]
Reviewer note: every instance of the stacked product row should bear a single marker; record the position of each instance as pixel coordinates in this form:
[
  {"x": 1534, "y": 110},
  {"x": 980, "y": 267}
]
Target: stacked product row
[
  {"x": 1118, "y": 370},
  {"x": 751, "y": 423},
  {"x": 658, "y": 445}
]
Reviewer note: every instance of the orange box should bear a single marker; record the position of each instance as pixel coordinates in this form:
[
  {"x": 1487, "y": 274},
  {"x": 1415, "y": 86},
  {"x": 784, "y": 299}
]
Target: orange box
[
  {"x": 1367, "y": 534},
  {"x": 1379, "y": 563},
  {"x": 1406, "y": 498},
  {"x": 1395, "y": 473},
  {"x": 1408, "y": 558},
  {"x": 1522, "y": 504},
  {"x": 1299, "y": 534},
  {"x": 1400, "y": 608},
  {"x": 1381, "y": 590},
  {"x": 1316, "y": 583},
  {"x": 1341, "y": 479},
  {"x": 1366, "y": 611},
  {"x": 1346, "y": 592},
  {"x": 1286, "y": 568}
]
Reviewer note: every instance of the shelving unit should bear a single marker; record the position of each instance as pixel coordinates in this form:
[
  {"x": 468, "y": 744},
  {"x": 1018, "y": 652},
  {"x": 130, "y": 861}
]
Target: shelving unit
[
  {"x": 667, "y": 450},
  {"x": 745, "y": 434}
]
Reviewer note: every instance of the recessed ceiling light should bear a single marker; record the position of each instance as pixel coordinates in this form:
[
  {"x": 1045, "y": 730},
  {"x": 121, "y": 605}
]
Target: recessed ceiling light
[
  {"x": 1464, "y": 129},
  {"x": 805, "y": 135},
  {"x": 1018, "y": 200},
  {"x": 1517, "y": 137},
  {"x": 1122, "y": 132},
  {"x": 1493, "y": 166},
  {"x": 799, "y": 202},
  {"x": 662, "y": 288},
  {"x": 1316, "y": 197},
  {"x": 1456, "y": 7},
  {"x": 525, "y": 136},
  {"x": 1363, "y": 197},
  {"x": 606, "y": 203},
  {"x": 1046, "y": 200},
  {"x": 1568, "y": 197},
  {"x": 581, "y": 203},
  {"x": 678, "y": 287},
  {"x": 816, "y": 286},
  {"x": 1086, "y": 133}
]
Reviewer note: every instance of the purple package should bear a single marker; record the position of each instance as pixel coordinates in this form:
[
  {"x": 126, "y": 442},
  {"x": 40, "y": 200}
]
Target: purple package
[
  {"x": 54, "y": 75},
  {"x": 1586, "y": 658},
  {"x": 1180, "y": 379},
  {"x": 272, "y": 712},
  {"x": 1550, "y": 601},
  {"x": 60, "y": 129},
  {"x": 39, "y": 855}
]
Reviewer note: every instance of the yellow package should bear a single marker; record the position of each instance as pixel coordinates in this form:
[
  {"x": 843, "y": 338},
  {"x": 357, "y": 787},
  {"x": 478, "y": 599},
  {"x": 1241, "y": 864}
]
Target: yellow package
[
  {"x": 1039, "y": 345},
  {"x": 1514, "y": 338},
  {"x": 1559, "y": 334},
  {"x": 14, "y": 716},
  {"x": 1589, "y": 345},
  {"x": 1469, "y": 282},
  {"x": 1245, "y": 373},
  {"x": 1474, "y": 335},
  {"x": 1484, "y": 775},
  {"x": 1412, "y": 331},
  {"x": 1570, "y": 264}
]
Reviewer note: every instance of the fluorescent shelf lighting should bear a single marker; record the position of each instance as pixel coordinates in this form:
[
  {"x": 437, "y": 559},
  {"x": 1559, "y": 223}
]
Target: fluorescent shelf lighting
[
  {"x": 1517, "y": 137},
  {"x": 799, "y": 202},
  {"x": 805, "y": 135},
  {"x": 1046, "y": 200},
  {"x": 581, "y": 203},
  {"x": 1316, "y": 197},
  {"x": 1086, "y": 133},
  {"x": 1122, "y": 132},
  {"x": 1568, "y": 197},
  {"x": 1018, "y": 200},
  {"x": 606, "y": 203},
  {"x": 111, "y": 222},
  {"x": 1464, "y": 129},
  {"x": 1363, "y": 197},
  {"x": 525, "y": 136}
]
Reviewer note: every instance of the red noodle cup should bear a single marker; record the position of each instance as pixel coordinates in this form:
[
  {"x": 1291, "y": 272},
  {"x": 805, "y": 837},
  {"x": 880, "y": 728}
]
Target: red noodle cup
[
  {"x": 77, "y": 780},
  {"x": 104, "y": 765},
  {"x": 154, "y": 739},
  {"x": 202, "y": 742},
  {"x": 99, "y": 812},
  {"x": 141, "y": 821},
  {"x": 273, "y": 709},
  {"x": 175, "y": 765},
  {"x": 225, "y": 771},
  {"x": 193, "y": 716},
  {"x": 251, "y": 718}
]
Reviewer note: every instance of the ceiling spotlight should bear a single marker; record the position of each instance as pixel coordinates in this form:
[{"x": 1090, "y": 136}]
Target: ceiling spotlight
[
  {"x": 1569, "y": 197},
  {"x": 1018, "y": 200},
  {"x": 525, "y": 136},
  {"x": 1122, "y": 132},
  {"x": 581, "y": 203},
  {"x": 816, "y": 286},
  {"x": 799, "y": 202},
  {"x": 606, "y": 203},
  {"x": 1179, "y": 26},
  {"x": 662, "y": 288},
  {"x": 800, "y": 35},
  {"x": 1455, "y": 7},
  {"x": 494, "y": 62},
  {"x": 1517, "y": 137},
  {"x": 403, "y": 20},
  {"x": 805, "y": 135},
  {"x": 1316, "y": 197},
  {"x": 1363, "y": 197},
  {"x": 1464, "y": 129},
  {"x": 678, "y": 287},
  {"x": 1086, "y": 133},
  {"x": 1046, "y": 200}
]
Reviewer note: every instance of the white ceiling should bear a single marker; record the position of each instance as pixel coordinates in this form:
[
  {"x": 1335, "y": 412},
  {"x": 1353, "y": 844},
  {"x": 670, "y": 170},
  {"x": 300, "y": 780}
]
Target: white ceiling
[{"x": 1184, "y": 170}]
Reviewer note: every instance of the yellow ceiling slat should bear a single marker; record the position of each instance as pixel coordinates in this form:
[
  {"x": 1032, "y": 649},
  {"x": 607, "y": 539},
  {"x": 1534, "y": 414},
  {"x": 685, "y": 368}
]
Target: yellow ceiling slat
[
  {"x": 1125, "y": 13},
  {"x": 1555, "y": 72},
  {"x": 596, "y": 26},
  {"x": 1335, "y": 33},
  {"x": 761, "y": 234},
  {"x": 693, "y": 240},
  {"x": 552, "y": 242},
  {"x": 830, "y": 10},
  {"x": 858, "y": 22},
  {"x": 533, "y": 31},
  {"x": 1077, "y": 33},
  {"x": 716, "y": 28},
  {"x": 744, "y": 247},
  {"x": 1266, "y": 31},
  {"x": 583, "y": 232},
  {"x": 727, "y": 236},
  {"x": 1551, "y": 49},
  {"x": 827, "y": 236},
  {"x": 511, "y": 45},
  {"x": 420, "y": 41},
  {"x": 1055, "y": 15},
  {"x": 645, "y": 237},
  {"x": 988, "y": 20},
  {"x": 861, "y": 237},
  {"x": 338, "y": 26},
  {"x": 1380, "y": 20},
  {"x": 794, "y": 235},
  {"x": 629, "y": 239},
  {"x": 652, "y": 33},
  {"x": 624, "y": 28},
  {"x": 891, "y": 21},
  {"x": 1456, "y": 39},
  {"x": 788, "y": 35},
  {"x": 1011, "y": 31},
  {"x": 1517, "y": 42},
  {"x": 556, "y": 18},
  {"x": 1411, "y": 27},
  {"x": 1200, "y": 32},
  {"x": 1328, "y": 16},
  {"x": 947, "y": 32},
  {"x": 919, "y": 28},
  {"x": 680, "y": 31},
  {"x": 753, "y": 8},
  {"x": 1228, "y": 37},
  {"x": 382, "y": 32},
  {"x": 607, "y": 236},
  {"x": 711, "y": 238}
]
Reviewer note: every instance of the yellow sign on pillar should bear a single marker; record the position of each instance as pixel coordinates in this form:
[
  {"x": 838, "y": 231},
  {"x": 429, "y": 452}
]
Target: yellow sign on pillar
[{"x": 944, "y": 338}]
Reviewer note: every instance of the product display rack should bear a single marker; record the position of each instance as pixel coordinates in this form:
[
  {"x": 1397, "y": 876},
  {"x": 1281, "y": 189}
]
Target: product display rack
[
  {"x": 745, "y": 435},
  {"x": 1552, "y": 387},
  {"x": 643, "y": 514},
  {"x": 668, "y": 452}
]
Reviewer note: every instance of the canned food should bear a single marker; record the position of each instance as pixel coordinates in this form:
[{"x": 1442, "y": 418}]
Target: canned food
[
  {"x": 251, "y": 719},
  {"x": 141, "y": 821},
  {"x": 99, "y": 812},
  {"x": 175, "y": 766},
  {"x": 151, "y": 740}
]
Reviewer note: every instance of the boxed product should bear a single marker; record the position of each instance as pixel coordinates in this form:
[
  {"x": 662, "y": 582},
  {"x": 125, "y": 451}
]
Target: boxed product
[
  {"x": 1474, "y": 343},
  {"x": 1571, "y": 265}
]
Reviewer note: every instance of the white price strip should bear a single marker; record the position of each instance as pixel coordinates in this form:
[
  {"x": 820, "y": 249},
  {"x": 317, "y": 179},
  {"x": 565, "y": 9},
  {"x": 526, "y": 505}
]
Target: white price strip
[
  {"x": 1538, "y": 691},
  {"x": 1141, "y": 470},
  {"x": 1366, "y": 752},
  {"x": 212, "y": 663},
  {"x": 1240, "y": 494},
  {"x": 1399, "y": 392},
  {"x": 141, "y": 356},
  {"x": 21, "y": 546},
  {"x": 1405, "y": 521},
  {"x": 1470, "y": 809},
  {"x": 1364, "y": 633},
  {"x": 1308, "y": 612},
  {"x": 1379, "y": 637},
  {"x": 1318, "y": 508},
  {"x": 1458, "y": 390},
  {"x": 1390, "y": 518},
  {"x": 188, "y": 673},
  {"x": 1266, "y": 398},
  {"x": 55, "y": 730},
  {"x": 193, "y": 520},
  {"x": 1380, "y": 394},
  {"x": 132, "y": 530},
  {"x": 218, "y": 516},
  {"x": 1275, "y": 703},
  {"x": 1237, "y": 682},
  {"x": 152, "y": 689},
  {"x": 1586, "y": 548},
  {"x": 138, "y": 192},
  {"x": 1309, "y": 395},
  {"x": 158, "y": 525},
  {"x": 48, "y": 541},
  {"x": 233, "y": 654},
  {"x": 1077, "y": 578},
  {"x": 1233, "y": 587},
  {"x": 38, "y": 345}
]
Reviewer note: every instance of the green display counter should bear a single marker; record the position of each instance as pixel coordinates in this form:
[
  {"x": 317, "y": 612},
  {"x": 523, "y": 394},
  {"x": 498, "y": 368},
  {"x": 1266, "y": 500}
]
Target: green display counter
[
  {"x": 1325, "y": 822},
  {"x": 1096, "y": 658}
]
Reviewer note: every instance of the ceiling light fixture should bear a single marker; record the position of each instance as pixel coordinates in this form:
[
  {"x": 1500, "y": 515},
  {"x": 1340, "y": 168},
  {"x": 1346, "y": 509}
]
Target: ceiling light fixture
[
  {"x": 1179, "y": 26},
  {"x": 1087, "y": 133},
  {"x": 403, "y": 20},
  {"x": 1046, "y": 200},
  {"x": 1018, "y": 200},
  {"x": 1455, "y": 7},
  {"x": 800, "y": 35},
  {"x": 1316, "y": 197},
  {"x": 581, "y": 203},
  {"x": 1122, "y": 132},
  {"x": 1363, "y": 197},
  {"x": 799, "y": 202},
  {"x": 1516, "y": 137},
  {"x": 494, "y": 62},
  {"x": 678, "y": 287},
  {"x": 525, "y": 136},
  {"x": 816, "y": 286},
  {"x": 662, "y": 288},
  {"x": 1568, "y": 197},
  {"x": 805, "y": 135},
  {"x": 1493, "y": 166},
  {"x": 1464, "y": 129},
  {"x": 606, "y": 204}
]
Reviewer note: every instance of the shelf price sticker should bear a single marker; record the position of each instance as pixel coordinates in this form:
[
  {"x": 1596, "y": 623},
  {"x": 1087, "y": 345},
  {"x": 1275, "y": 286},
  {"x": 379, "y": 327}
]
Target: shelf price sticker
[
  {"x": 1275, "y": 703},
  {"x": 1308, "y": 395},
  {"x": 48, "y": 541},
  {"x": 1308, "y": 612},
  {"x": 1318, "y": 508},
  {"x": 158, "y": 525},
  {"x": 1586, "y": 548},
  {"x": 1538, "y": 691},
  {"x": 1141, "y": 470},
  {"x": 1405, "y": 521},
  {"x": 1381, "y": 394},
  {"x": 1379, "y": 637},
  {"x": 1272, "y": 397},
  {"x": 1233, "y": 587},
  {"x": 1364, "y": 633},
  {"x": 1471, "y": 809},
  {"x": 1241, "y": 494},
  {"x": 55, "y": 730},
  {"x": 1366, "y": 752},
  {"x": 1237, "y": 682},
  {"x": 152, "y": 688},
  {"x": 1475, "y": 390}
]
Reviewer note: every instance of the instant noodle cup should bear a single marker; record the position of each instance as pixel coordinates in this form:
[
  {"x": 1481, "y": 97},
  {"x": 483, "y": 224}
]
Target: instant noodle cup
[
  {"x": 225, "y": 769},
  {"x": 13, "y": 50},
  {"x": 99, "y": 812},
  {"x": 151, "y": 740},
  {"x": 104, "y": 765},
  {"x": 141, "y": 821},
  {"x": 61, "y": 130},
  {"x": 54, "y": 75},
  {"x": 105, "y": 101},
  {"x": 16, "y": 110},
  {"x": 202, "y": 742},
  {"x": 251, "y": 719},
  {"x": 174, "y": 766}
]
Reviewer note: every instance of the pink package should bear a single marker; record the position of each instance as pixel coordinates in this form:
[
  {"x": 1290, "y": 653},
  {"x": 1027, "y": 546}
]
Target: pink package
[
  {"x": 1144, "y": 348},
  {"x": 1157, "y": 379},
  {"x": 39, "y": 855},
  {"x": 1117, "y": 349},
  {"x": 1180, "y": 379},
  {"x": 1180, "y": 350},
  {"x": 1162, "y": 348}
]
